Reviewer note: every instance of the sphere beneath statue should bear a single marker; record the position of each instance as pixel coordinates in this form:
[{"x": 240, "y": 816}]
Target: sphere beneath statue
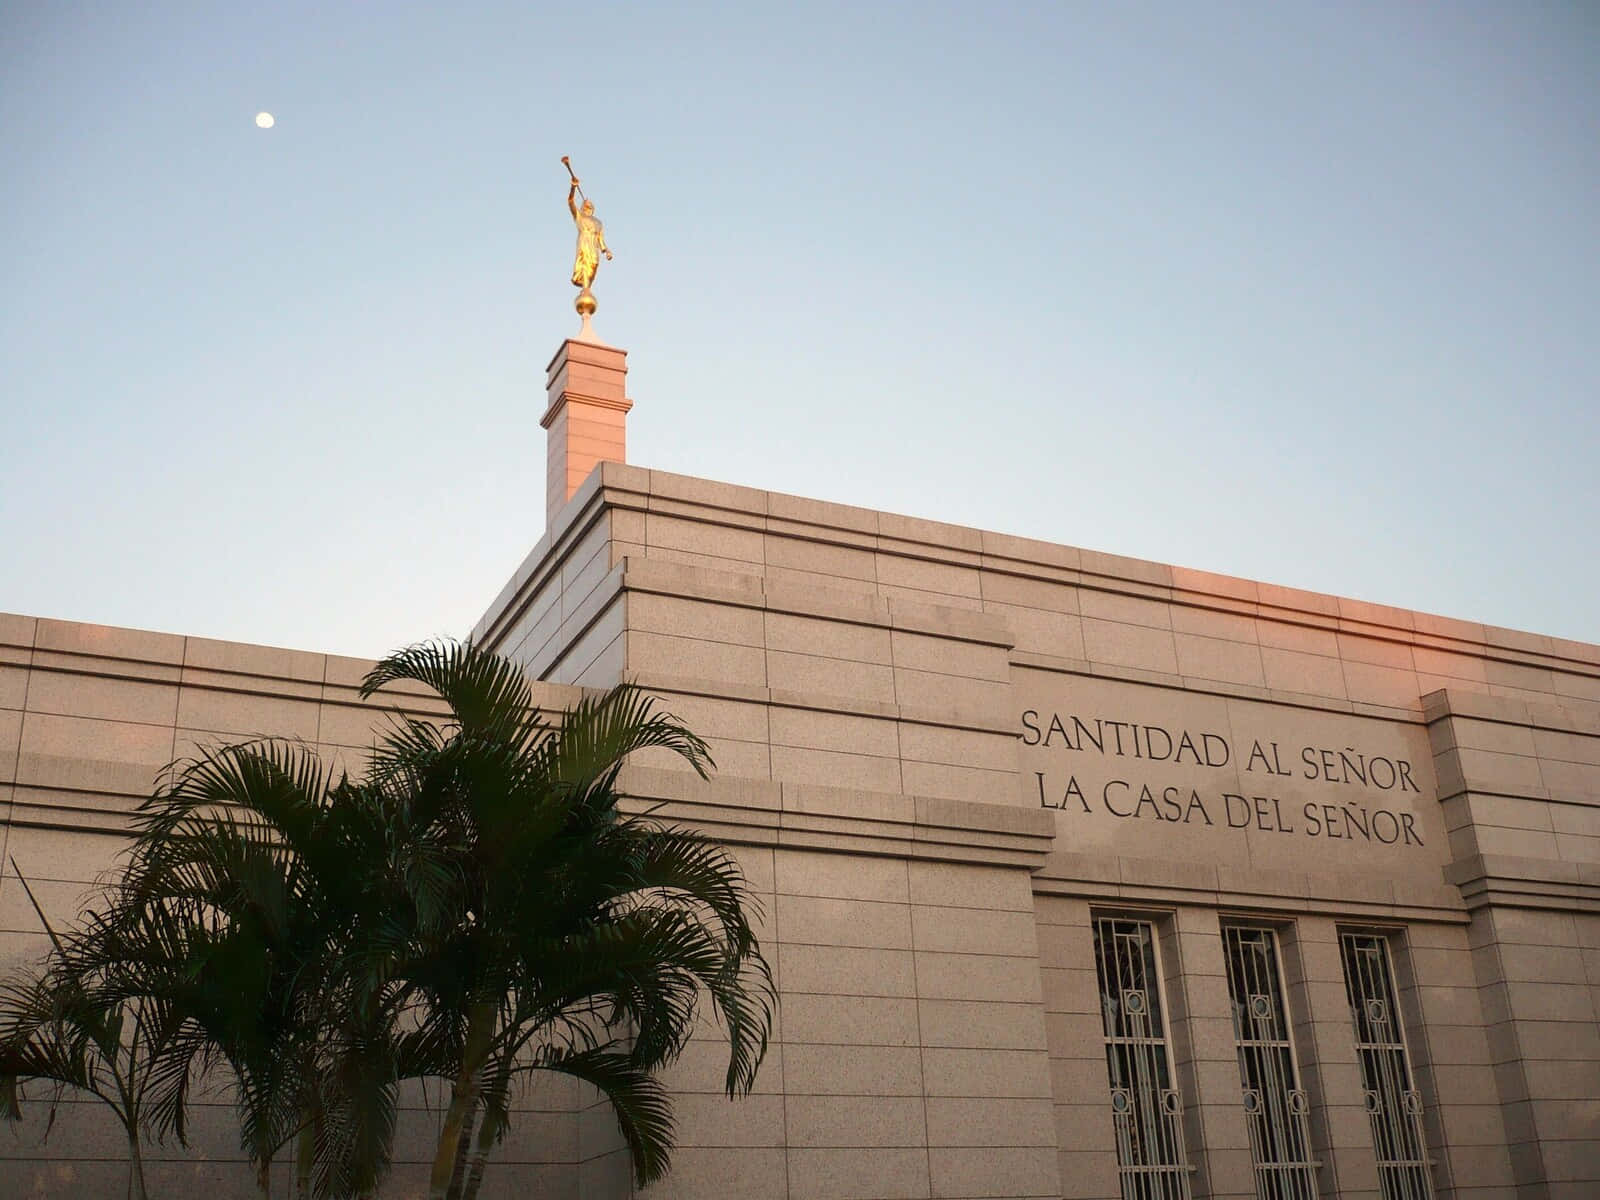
[{"x": 585, "y": 303}]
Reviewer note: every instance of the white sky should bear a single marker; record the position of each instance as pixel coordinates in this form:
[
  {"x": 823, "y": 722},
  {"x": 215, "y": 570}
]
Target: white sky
[{"x": 1306, "y": 293}]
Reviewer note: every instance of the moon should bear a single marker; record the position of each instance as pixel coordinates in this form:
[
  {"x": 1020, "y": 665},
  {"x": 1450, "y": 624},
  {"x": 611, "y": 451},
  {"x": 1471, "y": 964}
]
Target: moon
[{"x": 264, "y": 120}]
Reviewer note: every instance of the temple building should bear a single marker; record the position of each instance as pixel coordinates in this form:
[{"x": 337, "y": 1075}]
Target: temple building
[{"x": 1083, "y": 876}]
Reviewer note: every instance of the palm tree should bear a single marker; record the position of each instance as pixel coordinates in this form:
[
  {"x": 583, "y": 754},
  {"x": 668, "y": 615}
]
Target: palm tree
[
  {"x": 231, "y": 918},
  {"x": 59, "y": 1028},
  {"x": 552, "y": 931},
  {"x": 225, "y": 939}
]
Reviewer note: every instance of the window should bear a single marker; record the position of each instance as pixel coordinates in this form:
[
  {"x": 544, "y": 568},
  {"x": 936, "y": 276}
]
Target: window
[
  {"x": 1146, "y": 1109},
  {"x": 1393, "y": 1104},
  {"x": 1275, "y": 1107}
]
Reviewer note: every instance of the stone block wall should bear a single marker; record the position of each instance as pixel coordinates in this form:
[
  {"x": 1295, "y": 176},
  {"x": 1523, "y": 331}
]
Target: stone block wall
[
  {"x": 909, "y": 1058},
  {"x": 1520, "y": 785},
  {"x": 851, "y": 667}
]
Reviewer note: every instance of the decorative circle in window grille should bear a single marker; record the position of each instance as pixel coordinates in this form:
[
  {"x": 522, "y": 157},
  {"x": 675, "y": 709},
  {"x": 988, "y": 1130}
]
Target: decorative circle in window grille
[
  {"x": 1121, "y": 1101},
  {"x": 1260, "y": 1007},
  {"x": 1252, "y": 1101},
  {"x": 1133, "y": 1003},
  {"x": 1299, "y": 1103},
  {"x": 1171, "y": 1104},
  {"x": 1377, "y": 1012},
  {"x": 1413, "y": 1103},
  {"x": 1373, "y": 1102}
]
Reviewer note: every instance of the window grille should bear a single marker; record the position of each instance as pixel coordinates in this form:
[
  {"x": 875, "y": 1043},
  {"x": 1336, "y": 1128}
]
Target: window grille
[
  {"x": 1146, "y": 1109},
  {"x": 1276, "y": 1108},
  {"x": 1394, "y": 1106}
]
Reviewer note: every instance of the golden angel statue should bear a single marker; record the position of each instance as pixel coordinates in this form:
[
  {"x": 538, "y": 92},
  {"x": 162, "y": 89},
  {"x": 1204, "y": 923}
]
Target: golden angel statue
[{"x": 591, "y": 241}]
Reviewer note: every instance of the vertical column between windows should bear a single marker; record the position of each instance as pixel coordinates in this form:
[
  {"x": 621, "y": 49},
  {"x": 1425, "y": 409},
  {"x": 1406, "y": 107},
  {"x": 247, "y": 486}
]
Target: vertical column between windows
[
  {"x": 1393, "y": 1104},
  {"x": 1146, "y": 1107},
  {"x": 1276, "y": 1108}
]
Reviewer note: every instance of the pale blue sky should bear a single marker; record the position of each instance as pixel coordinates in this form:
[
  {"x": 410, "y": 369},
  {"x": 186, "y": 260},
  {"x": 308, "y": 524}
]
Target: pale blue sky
[{"x": 1303, "y": 293}]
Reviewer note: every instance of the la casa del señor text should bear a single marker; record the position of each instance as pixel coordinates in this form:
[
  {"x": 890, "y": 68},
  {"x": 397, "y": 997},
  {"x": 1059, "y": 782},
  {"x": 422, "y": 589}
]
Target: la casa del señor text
[{"x": 1344, "y": 819}]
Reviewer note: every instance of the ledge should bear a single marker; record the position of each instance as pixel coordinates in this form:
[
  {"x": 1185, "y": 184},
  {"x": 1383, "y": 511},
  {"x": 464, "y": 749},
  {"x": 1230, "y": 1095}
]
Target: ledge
[
  {"x": 1501, "y": 879},
  {"x": 965, "y": 720},
  {"x": 800, "y": 816},
  {"x": 745, "y": 590},
  {"x": 1167, "y": 882},
  {"x": 1571, "y": 716},
  {"x": 1195, "y": 685}
]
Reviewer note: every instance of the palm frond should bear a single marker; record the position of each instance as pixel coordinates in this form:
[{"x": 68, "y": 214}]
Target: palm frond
[
  {"x": 601, "y": 731},
  {"x": 488, "y": 695},
  {"x": 639, "y": 1101}
]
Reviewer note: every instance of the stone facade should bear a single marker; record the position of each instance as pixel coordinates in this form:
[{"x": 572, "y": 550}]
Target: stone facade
[{"x": 958, "y": 767}]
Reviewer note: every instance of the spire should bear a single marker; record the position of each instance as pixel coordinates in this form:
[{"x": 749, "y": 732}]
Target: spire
[{"x": 587, "y": 417}]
